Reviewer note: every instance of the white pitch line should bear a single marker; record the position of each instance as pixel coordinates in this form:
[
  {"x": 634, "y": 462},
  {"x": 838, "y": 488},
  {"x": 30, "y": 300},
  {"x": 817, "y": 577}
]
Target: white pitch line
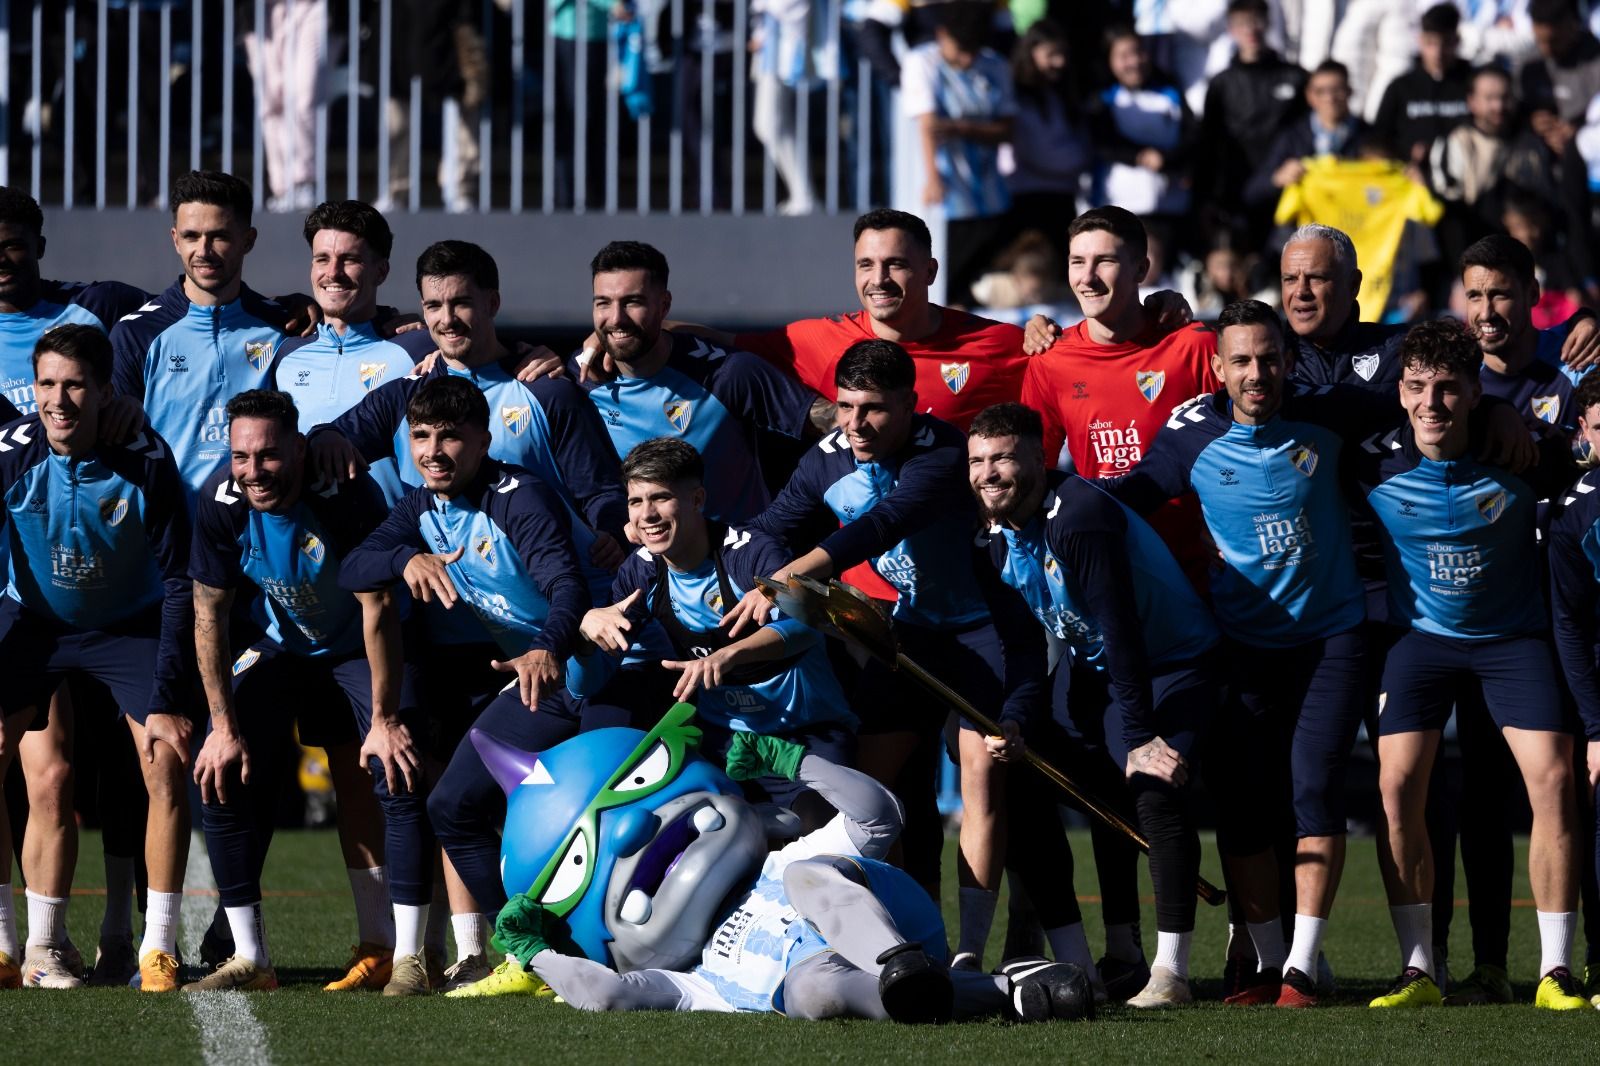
[{"x": 230, "y": 1034}]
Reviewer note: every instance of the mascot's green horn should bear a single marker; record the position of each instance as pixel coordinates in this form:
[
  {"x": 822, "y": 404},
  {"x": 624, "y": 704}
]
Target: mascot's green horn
[{"x": 506, "y": 764}]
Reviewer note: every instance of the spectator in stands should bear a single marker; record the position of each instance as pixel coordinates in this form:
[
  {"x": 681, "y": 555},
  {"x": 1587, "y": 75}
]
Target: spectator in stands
[
  {"x": 1466, "y": 164},
  {"x": 1330, "y": 129},
  {"x": 1558, "y": 86},
  {"x": 1145, "y": 133},
  {"x": 1247, "y": 106},
  {"x": 438, "y": 43},
  {"x": 960, "y": 93},
  {"x": 1050, "y": 143},
  {"x": 1182, "y": 39},
  {"x": 1425, "y": 103},
  {"x": 1222, "y": 277},
  {"x": 287, "y": 62},
  {"x": 1027, "y": 274},
  {"x": 781, "y": 69},
  {"x": 1529, "y": 220}
]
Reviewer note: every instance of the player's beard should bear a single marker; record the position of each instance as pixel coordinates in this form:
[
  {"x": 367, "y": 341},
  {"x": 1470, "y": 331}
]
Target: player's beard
[
  {"x": 1019, "y": 490},
  {"x": 635, "y": 345}
]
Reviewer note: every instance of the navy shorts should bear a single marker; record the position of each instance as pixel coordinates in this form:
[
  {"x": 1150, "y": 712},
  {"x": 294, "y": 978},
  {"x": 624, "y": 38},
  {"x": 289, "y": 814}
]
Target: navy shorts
[
  {"x": 36, "y": 653},
  {"x": 1426, "y": 674},
  {"x": 1281, "y": 744},
  {"x": 970, "y": 661},
  {"x": 1184, "y": 700},
  {"x": 329, "y": 697}
]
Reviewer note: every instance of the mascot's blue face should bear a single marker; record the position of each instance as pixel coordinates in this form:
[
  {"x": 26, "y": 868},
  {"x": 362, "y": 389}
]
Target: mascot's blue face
[{"x": 633, "y": 839}]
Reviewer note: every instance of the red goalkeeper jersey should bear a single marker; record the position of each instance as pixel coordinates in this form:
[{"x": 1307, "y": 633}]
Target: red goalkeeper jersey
[
  {"x": 965, "y": 365},
  {"x": 1108, "y": 401}
]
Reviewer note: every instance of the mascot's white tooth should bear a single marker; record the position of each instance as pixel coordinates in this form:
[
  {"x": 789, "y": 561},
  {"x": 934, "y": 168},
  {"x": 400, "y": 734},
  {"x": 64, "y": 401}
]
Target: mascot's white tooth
[
  {"x": 707, "y": 820},
  {"x": 636, "y": 908}
]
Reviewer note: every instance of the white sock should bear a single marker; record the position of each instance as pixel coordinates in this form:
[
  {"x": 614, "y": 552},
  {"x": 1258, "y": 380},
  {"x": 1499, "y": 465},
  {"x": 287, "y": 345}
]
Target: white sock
[
  {"x": 374, "y": 919},
  {"x": 8, "y": 926},
  {"x": 47, "y": 920},
  {"x": 1239, "y": 945},
  {"x": 1068, "y": 944},
  {"x": 977, "y": 916},
  {"x": 438, "y": 918},
  {"x": 1172, "y": 951},
  {"x": 249, "y": 934},
  {"x": 118, "y": 919},
  {"x": 1307, "y": 944},
  {"x": 1122, "y": 944},
  {"x": 470, "y": 930},
  {"x": 1267, "y": 936},
  {"x": 1413, "y": 927},
  {"x": 409, "y": 921},
  {"x": 161, "y": 921},
  {"x": 1556, "y": 929}
]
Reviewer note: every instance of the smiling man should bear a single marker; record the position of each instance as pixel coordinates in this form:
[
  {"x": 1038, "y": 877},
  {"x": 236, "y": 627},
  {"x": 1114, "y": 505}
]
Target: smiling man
[
  {"x": 99, "y": 539},
  {"x": 675, "y": 383},
  {"x": 489, "y": 541},
  {"x": 320, "y": 663},
  {"x": 1062, "y": 557},
  {"x": 1464, "y": 580},
  {"x": 775, "y": 681},
  {"x": 208, "y": 336},
  {"x": 348, "y": 357},
  {"x": 891, "y": 478},
  {"x": 1109, "y": 384}
]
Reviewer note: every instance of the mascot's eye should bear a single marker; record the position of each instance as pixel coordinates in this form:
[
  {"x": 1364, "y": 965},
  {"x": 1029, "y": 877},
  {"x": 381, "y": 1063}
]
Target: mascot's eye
[
  {"x": 570, "y": 872},
  {"x": 648, "y": 771}
]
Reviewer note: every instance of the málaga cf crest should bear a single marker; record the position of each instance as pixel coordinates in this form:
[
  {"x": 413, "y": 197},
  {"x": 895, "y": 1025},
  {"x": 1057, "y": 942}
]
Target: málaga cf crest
[
  {"x": 955, "y": 375},
  {"x": 1492, "y": 505},
  {"x": 1303, "y": 458},
  {"x": 114, "y": 510},
  {"x": 257, "y": 353},
  {"x": 1546, "y": 408},
  {"x": 313, "y": 549},
  {"x": 372, "y": 373},
  {"x": 485, "y": 550},
  {"x": 678, "y": 413},
  {"x": 1150, "y": 383},
  {"x": 516, "y": 419}
]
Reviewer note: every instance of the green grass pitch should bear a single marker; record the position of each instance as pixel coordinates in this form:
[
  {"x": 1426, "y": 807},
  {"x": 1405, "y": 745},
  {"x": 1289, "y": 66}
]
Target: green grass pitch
[{"x": 310, "y": 924}]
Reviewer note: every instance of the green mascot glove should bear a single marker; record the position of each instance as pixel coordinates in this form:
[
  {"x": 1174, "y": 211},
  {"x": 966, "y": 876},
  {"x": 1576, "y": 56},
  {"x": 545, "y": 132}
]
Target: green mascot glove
[
  {"x": 752, "y": 755},
  {"x": 519, "y": 931}
]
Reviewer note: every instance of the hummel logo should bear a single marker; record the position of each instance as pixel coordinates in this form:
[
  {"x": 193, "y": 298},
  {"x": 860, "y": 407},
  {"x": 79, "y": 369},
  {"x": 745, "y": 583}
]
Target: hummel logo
[
  {"x": 175, "y": 363},
  {"x": 1228, "y": 476},
  {"x": 19, "y": 435},
  {"x": 1080, "y": 390}
]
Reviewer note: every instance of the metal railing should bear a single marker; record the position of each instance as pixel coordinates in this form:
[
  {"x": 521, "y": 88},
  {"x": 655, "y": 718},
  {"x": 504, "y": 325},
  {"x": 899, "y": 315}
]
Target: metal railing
[{"x": 91, "y": 107}]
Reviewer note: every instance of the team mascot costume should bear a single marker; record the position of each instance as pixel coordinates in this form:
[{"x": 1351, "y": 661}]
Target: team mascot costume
[{"x": 641, "y": 879}]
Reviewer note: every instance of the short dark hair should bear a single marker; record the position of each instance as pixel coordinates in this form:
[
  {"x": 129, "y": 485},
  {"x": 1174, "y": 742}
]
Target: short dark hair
[
  {"x": 1248, "y": 7},
  {"x": 663, "y": 461},
  {"x": 1442, "y": 345},
  {"x": 19, "y": 209},
  {"x": 352, "y": 216},
  {"x": 1117, "y": 221},
  {"x": 1442, "y": 19},
  {"x": 448, "y": 400},
  {"x": 448, "y": 259},
  {"x": 214, "y": 187},
  {"x": 1116, "y": 32},
  {"x": 1250, "y": 313},
  {"x": 87, "y": 344},
  {"x": 1586, "y": 394},
  {"x": 969, "y": 25},
  {"x": 1331, "y": 66},
  {"x": 1488, "y": 70},
  {"x": 631, "y": 255},
  {"x": 266, "y": 403},
  {"x": 889, "y": 218},
  {"x": 875, "y": 365},
  {"x": 1503, "y": 254},
  {"x": 1550, "y": 12},
  {"x": 1008, "y": 420}
]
